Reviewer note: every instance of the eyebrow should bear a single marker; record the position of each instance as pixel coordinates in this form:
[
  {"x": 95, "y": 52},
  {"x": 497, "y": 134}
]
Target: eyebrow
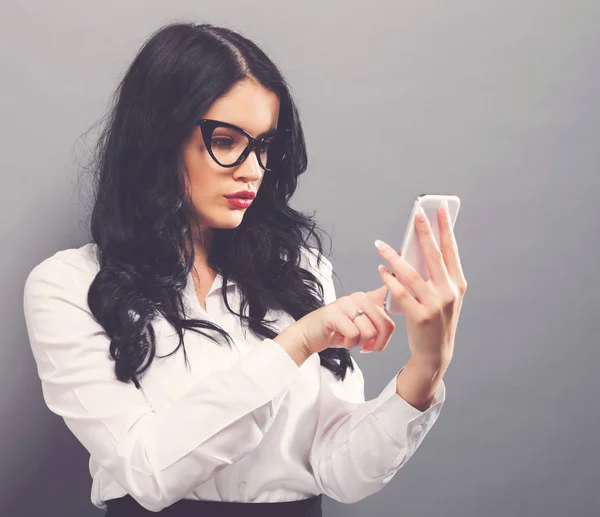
[{"x": 271, "y": 131}]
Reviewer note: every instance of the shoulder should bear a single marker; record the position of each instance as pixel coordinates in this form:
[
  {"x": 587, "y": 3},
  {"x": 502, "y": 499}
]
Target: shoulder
[{"x": 67, "y": 269}]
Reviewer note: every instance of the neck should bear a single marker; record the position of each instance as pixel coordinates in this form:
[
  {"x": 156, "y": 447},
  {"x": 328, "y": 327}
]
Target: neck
[{"x": 202, "y": 241}]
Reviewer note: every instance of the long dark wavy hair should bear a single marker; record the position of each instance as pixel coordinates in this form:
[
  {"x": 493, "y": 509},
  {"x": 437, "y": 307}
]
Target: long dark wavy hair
[{"x": 143, "y": 220}]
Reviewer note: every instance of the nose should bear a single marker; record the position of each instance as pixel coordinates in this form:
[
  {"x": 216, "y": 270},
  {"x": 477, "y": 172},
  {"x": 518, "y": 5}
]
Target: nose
[{"x": 249, "y": 169}]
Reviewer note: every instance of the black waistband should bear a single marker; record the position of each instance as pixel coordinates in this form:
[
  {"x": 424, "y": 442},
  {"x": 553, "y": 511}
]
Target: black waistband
[{"x": 129, "y": 507}]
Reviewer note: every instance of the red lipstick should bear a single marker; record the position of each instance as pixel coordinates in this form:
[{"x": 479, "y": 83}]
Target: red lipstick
[{"x": 241, "y": 199}]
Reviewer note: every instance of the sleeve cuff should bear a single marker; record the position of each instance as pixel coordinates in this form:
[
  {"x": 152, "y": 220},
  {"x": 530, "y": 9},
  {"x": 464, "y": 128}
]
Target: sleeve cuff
[{"x": 403, "y": 422}]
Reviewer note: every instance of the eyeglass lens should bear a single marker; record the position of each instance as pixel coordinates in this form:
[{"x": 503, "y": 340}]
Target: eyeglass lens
[{"x": 227, "y": 145}]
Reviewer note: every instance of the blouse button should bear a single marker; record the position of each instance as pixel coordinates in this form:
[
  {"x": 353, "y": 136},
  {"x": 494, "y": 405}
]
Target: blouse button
[{"x": 241, "y": 488}]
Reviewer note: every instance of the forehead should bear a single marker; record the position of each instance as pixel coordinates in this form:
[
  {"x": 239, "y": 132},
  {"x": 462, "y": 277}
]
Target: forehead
[{"x": 248, "y": 105}]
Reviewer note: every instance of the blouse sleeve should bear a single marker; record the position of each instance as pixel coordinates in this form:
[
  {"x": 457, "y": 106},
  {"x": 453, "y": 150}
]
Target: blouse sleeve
[
  {"x": 157, "y": 457},
  {"x": 360, "y": 445}
]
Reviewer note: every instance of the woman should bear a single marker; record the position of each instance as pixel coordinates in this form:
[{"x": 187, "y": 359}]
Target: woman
[{"x": 196, "y": 347}]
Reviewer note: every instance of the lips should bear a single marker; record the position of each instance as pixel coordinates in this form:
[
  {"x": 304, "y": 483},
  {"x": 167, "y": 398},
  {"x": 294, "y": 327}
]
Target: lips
[
  {"x": 244, "y": 194},
  {"x": 239, "y": 202}
]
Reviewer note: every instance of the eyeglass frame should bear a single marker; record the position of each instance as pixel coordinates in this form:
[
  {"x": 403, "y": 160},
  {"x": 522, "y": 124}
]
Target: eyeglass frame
[{"x": 253, "y": 143}]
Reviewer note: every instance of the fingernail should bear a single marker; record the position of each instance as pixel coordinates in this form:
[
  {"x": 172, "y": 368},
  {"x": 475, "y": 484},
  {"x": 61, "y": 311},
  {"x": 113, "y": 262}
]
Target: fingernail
[
  {"x": 444, "y": 205},
  {"x": 363, "y": 351},
  {"x": 383, "y": 269},
  {"x": 380, "y": 245},
  {"x": 421, "y": 214}
]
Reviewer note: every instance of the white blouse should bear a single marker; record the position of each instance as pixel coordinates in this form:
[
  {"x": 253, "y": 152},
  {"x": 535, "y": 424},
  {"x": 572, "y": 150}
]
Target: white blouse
[{"x": 243, "y": 423}]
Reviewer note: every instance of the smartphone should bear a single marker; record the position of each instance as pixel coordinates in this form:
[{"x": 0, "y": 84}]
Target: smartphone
[{"x": 411, "y": 249}]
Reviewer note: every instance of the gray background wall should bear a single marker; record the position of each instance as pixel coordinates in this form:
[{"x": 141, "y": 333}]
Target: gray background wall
[{"x": 496, "y": 101}]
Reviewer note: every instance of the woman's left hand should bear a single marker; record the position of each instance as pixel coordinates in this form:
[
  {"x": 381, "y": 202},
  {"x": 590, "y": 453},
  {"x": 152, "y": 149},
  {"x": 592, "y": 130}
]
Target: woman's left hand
[{"x": 432, "y": 313}]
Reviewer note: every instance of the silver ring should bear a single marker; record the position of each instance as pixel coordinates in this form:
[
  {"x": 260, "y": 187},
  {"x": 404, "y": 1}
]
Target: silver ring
[{"x": 358, "y": 313}]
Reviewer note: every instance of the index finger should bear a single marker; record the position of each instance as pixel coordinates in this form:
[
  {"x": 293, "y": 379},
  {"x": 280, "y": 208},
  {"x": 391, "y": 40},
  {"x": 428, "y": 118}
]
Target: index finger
[{"x": 377, "y": 296}]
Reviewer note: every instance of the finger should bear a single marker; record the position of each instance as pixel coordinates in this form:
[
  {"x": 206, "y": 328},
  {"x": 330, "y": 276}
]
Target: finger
[
  {"x": 405, "y": 273},
  {"x": 348, "y": 333},
  {"x": 378, "y": 318},
  {"x": 379, "y": 300},
  {"x": 431, "y": 251},
  {"x": 377, "y": 296},
  {"x": 367, "y": 331},
  {"x": 407, "y": 302},
  {"x": 448, "y": 245}
]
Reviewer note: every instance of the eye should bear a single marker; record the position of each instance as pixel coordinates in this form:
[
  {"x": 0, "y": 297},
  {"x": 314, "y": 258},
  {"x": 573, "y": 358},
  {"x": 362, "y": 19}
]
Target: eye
[{"x": 221, "y": 141}]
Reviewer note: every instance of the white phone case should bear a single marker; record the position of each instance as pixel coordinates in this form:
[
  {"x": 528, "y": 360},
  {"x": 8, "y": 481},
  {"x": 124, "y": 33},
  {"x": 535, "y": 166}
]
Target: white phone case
[{"x": 411, "y": 249}]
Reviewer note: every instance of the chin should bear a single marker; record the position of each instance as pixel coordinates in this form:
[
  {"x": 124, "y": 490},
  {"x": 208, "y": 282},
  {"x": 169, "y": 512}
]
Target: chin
[
  {"x": 231, "y": 224},
  {"x": 225, "y": 221}
]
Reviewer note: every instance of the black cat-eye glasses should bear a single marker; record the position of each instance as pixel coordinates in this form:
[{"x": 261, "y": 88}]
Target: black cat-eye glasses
[{"x": 229, "y": 145}]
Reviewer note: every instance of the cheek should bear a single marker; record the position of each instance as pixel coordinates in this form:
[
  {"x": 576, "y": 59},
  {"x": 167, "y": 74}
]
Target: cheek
[{"x": 201, "y": 177}]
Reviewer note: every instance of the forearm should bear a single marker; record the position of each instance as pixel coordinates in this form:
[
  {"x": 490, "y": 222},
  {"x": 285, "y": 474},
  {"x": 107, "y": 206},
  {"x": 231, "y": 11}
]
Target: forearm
[
  {"x": 293, "y": 346},
  {"x": 418, "y": 382},
  {"x": 358, "y": 445}
]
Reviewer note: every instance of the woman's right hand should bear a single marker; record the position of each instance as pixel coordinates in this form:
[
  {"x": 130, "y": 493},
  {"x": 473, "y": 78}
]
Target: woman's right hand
[{"x": 333, "y": 326}]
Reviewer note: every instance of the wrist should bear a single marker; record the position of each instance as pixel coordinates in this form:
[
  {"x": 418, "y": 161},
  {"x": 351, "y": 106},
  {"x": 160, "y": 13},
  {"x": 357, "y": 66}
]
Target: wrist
[
  {"x": 418, "y": 381},
  {"x": 433, "y": 365},
  {"x": 294, "y": 346}
]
